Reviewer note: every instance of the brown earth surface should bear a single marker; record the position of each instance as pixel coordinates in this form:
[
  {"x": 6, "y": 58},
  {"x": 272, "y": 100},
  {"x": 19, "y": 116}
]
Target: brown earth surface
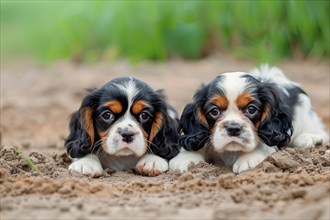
[{"x": 36, "y": 101}]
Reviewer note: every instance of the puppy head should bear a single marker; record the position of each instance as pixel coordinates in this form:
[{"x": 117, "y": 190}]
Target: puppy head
[
  {"x": 124, "y": 117},
  {"x": 237, "y": 110}
]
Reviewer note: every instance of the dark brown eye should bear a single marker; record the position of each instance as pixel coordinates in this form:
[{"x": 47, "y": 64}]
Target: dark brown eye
[
  {"x": 144, "y": 116},
  {"x": 251, "y": 110},
  {"x": 107, "y": 116},
  {"x": 215, "y": 112}
]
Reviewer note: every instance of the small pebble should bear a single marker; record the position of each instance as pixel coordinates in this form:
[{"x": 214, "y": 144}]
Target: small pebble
[
  {"x": 327, "y": 153},
  {"x": 64, "y": 208},
  {"x": 26, "y": 144},
  {"x": 80, "y": 206}
]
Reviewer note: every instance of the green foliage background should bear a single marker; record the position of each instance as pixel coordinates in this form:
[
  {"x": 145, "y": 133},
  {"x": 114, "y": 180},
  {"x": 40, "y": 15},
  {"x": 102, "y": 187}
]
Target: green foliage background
[{"x": 157, "y": 30}]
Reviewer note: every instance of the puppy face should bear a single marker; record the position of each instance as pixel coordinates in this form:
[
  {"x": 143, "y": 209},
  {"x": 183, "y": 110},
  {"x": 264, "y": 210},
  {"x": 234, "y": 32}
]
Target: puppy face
[
  {"x": 234, "y": 112},
  {"x": 123, "y": 118},
  {"x": 128, "y": 117}
]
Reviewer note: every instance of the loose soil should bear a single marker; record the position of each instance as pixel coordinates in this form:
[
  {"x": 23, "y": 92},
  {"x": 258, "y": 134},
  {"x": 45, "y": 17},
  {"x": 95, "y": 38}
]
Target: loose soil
[{"x": 36, "y": 101}]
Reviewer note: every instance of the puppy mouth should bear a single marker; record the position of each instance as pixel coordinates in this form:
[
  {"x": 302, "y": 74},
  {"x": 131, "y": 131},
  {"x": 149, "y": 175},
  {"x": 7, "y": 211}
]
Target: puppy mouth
[
  {"x": 230, "y": 143},
  {"x": 233, "y": 144},
  {"x": 126, "y": 151},
  {"x": 123, "y": 149}
]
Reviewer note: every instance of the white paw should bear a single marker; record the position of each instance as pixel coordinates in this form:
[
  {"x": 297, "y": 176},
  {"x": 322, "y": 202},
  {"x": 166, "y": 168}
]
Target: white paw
[
  {"x": 151, "y": 165},
  {"x": 248, "y": 161},
  {"x": 308, "y": 140},
  {"x": 185, "y": 158},
  {"x": 89, "y": 165}
]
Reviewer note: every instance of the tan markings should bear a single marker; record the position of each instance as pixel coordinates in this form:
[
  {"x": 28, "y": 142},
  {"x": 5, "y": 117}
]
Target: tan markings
[
  {"x": 201, "y": 116},
  {"x": 145, "y": 134},
  {"x": 102, "y": 134},
  {"x": 104, "y": 145},
  {"x": 88, "y": 121},
  {"x": 115, "y": 106},
  {"x": 249, "y": 123},
  {"x": 255, "y": 132},
  {"x": 221, "y": 101},
  {"x": 265, "y": 113},
  {"x": 156, "y": 125},
  {"x": 257, "y": 125},
  {"x": 138, "y": 106},
  {"x": 147, "y": 143},
  {"x": 243, "y": 100}
]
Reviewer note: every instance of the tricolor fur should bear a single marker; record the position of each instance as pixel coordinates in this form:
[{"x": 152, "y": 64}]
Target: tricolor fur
[
  {"x": 240, "y": 118},
  {"x": 123, "y": 125}
]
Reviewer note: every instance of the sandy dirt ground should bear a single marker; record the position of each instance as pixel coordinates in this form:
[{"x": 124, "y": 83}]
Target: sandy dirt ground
[{"x": 36, "y": 101}]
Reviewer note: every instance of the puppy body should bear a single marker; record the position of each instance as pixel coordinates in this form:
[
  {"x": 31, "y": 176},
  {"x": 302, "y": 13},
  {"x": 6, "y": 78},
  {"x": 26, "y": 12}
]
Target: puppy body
[
  {"x": 123, "y": 125},
  {"x": 235, "y": 118},
  {"x": 308, "y": 129}
]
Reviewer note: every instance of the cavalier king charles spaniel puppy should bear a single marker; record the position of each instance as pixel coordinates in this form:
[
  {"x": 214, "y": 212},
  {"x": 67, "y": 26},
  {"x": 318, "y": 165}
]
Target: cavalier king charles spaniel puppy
[
  {"x": 123, "y": 125},
  {"x": 240, "y": 118}
]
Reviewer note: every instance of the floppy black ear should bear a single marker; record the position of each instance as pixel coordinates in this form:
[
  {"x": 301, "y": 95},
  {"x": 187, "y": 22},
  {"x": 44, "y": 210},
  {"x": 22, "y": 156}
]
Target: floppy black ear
[
  {"x": 276, "y": 127},
  {"x": 82, "y": 136},
  {"x": 165, "y": 142},
  {"x": 193, "y": 123},
  {"x": 194, "y": 127}
]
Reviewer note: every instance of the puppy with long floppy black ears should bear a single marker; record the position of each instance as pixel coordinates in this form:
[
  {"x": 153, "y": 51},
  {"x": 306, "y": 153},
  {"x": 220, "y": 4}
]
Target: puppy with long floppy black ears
[
  {"x": 240, "y": 118},
  {"x": 123, "y": 125}
]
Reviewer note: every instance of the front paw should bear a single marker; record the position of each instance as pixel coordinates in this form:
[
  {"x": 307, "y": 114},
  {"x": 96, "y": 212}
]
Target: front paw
[
  {"x": 248, "y": 161},
  {"x": 151, "y": 165},
  {"x": 89, "y": 165},
  {"x": 184, "y": 159}
]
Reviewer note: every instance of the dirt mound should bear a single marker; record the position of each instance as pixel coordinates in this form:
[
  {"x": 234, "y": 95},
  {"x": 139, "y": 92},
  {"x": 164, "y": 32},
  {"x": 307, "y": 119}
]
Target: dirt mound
[
  {"x": 52, "y": 165},
  {"x": 290, "y": 179}
]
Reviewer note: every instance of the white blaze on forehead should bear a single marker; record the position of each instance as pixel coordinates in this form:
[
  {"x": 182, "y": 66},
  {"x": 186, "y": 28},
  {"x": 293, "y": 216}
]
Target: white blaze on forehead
[
  {"x": 233, "y": 84},
  {"x": 130, "y": 89}
]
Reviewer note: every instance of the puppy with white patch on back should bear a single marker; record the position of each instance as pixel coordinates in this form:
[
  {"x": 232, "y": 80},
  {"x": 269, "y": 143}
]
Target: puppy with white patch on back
[
  {"x": 123, "y": 125},
  {"x": 240, "y": 118}
]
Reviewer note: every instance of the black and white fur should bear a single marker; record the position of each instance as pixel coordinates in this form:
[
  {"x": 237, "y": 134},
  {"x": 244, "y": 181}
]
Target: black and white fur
[
  {"x": 235, "y": 119},
  {"x": 123, "y": 125}
]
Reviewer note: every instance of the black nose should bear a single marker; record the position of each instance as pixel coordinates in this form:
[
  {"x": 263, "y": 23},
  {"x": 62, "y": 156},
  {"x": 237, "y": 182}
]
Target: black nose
[
  {"x": 128, "y": 136},
  {"x": 234, "y": 129}
]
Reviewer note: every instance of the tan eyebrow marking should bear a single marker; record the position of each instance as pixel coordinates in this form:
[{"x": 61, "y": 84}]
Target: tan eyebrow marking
[
  {"x": 243, "y": 100},
  {"x": 115, "y": 106},
  {"x": 221, "y": 101},
  {"x": 138, "y": 106}
]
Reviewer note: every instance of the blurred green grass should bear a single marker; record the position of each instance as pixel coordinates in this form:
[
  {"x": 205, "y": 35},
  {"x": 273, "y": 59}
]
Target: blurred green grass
[{"x": 90, "y": 31}]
